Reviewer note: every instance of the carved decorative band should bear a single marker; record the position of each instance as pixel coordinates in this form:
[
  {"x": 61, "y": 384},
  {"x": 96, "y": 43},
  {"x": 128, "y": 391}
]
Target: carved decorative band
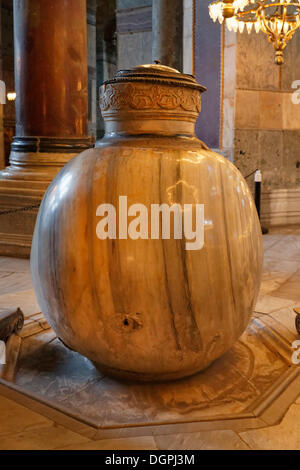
[
  {"x": 50, "y": 144},
  {"x": 141, "y": 97}
]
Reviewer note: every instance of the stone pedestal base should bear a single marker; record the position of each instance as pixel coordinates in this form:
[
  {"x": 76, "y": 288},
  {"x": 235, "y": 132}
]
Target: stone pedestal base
[
  {"x": 40, "y": 167},
  {"x": 251, "y": 386},
  {"x": 22, "y": 187},
  {"x": 19, "y": 202}
]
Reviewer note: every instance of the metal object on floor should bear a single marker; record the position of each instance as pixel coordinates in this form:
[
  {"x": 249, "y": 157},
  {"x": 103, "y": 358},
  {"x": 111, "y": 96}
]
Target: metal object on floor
[
  {"x": 257, "y": 193},
  {"x": 11, "y": 321},
  {"x": 297, "y": 319},
  {"x": 257, "y": 196}
]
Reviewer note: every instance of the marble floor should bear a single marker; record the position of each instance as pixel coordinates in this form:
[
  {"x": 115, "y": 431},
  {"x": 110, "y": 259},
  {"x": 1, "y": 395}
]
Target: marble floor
[{"x": 249, "y": 399}]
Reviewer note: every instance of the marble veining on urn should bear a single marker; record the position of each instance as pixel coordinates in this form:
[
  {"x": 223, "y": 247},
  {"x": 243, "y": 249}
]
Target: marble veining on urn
[{"x": 148, "y": 309}]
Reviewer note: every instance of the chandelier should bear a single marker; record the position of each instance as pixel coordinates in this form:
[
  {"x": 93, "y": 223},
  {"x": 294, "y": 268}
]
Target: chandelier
[{"x": 278, "y": 19}]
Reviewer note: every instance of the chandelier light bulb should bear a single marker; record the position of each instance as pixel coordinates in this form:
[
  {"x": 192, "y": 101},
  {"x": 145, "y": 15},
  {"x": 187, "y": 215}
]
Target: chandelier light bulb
[
  {"x": 241, "y": 26},
  {"x": 249, "y": 27},
  {"x": 229, "y": 24},
  {"x": 11, "y": 96},
  {"x": 235, "y": 25}
]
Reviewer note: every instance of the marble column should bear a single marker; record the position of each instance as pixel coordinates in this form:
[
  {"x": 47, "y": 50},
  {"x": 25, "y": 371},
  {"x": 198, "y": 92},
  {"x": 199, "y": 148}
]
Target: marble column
[
  {"x": 92, "y": 67},
  {"x": 51, "y": 84},
  {"x": 8, "y": 113},
  {"x": 167, "y": 32},
  {"x": 106, "y": 49}
]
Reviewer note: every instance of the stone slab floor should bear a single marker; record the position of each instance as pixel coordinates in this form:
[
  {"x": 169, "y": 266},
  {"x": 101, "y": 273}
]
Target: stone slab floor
[{"x": 22, "y": 428}]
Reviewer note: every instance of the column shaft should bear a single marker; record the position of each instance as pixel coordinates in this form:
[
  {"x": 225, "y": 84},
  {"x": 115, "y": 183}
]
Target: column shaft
[
  {"x": 51, "y": 85},
  {"x": 167, "y": 32}
]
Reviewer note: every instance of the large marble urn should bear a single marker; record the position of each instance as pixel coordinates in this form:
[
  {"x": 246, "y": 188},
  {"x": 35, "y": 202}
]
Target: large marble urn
[{"x": 139, "y": 299}]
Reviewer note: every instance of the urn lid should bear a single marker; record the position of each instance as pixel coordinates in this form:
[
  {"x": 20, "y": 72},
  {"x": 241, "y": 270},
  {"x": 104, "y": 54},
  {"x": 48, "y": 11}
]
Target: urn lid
[
  {"x": 156, "y": 73},
  {"x": 150, "y": 98}
]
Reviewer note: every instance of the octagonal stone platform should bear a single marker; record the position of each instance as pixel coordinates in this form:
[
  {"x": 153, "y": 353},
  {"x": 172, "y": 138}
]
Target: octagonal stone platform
[{"x": 250, "y": 386}]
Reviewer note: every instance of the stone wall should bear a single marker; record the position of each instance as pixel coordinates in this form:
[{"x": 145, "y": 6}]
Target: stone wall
[
  {"x": 229, "y": 94},
  {"x": 134, "y": 33},
  {"x": 267, "y": 123}
]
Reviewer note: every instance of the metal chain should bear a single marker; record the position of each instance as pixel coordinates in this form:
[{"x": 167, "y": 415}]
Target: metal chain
[
  {"x": 250, "y": 174},
  {"x": 20, "y": 209}
]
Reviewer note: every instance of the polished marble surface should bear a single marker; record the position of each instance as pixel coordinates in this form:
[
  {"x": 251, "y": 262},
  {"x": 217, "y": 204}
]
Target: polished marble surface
[{"x": 227, "y": 406}]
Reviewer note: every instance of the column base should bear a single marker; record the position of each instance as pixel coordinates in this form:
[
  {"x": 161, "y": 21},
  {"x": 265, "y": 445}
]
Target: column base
[
  {"x": 34, "y": 162},
  {"x": 37, "y": 167},
  {"x": 19, "y": 205}
]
